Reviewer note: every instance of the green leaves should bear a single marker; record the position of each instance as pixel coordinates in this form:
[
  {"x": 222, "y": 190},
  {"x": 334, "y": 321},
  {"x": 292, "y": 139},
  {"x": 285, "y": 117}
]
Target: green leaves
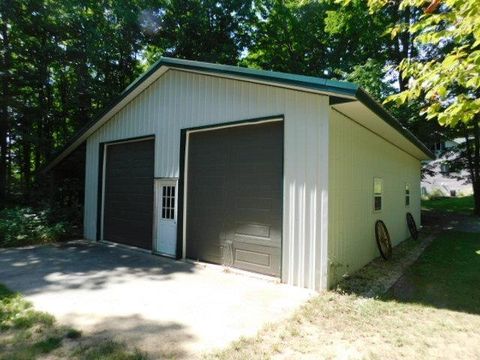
[
  {"x": 24, "y": 226},
  {"x": 449, "y": 81},
  {"x": 319, "y": 38}
]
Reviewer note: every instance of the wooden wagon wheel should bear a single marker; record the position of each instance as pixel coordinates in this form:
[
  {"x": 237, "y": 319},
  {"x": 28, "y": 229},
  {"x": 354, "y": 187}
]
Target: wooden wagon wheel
[
  {"x": 412, "y": 226},
  {"x": 383, "y": 240}
]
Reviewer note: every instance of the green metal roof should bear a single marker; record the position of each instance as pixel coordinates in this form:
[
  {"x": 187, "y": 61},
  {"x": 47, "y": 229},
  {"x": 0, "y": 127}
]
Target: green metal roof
[
  {"x": 310, "y": 82},
  {"x": 330, "y": 87}
]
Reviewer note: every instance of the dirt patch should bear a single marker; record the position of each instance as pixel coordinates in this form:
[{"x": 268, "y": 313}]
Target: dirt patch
[{"x": 379, "y": 275}]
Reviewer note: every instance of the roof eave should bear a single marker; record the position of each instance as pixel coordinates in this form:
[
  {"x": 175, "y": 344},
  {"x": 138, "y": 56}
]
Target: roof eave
[{"x": 362, "y": 96}]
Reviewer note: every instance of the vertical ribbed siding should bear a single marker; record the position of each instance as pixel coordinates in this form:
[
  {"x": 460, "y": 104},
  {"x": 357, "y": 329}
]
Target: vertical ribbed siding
[
  {"x": 357, "y": 156},
  {"x": 181, "y": 100}
]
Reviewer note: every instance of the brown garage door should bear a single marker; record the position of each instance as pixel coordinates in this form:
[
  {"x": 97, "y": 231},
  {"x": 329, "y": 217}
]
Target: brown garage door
[
  {"x": 128, "y": 201},
  {"x": 234, "y": 200}
]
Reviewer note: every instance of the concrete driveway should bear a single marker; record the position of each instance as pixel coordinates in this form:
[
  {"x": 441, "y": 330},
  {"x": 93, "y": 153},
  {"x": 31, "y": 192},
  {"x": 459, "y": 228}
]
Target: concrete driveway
[{"x": 162, "y": 306}]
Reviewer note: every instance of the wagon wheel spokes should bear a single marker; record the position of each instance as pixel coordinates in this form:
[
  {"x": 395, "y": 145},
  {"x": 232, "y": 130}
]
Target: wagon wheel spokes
[
  {"x": 412, "y": 226},
  {"x": 383, "y": 240}
]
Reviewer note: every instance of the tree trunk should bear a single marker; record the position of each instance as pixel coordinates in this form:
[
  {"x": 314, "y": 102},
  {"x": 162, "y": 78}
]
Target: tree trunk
[
  {"x": 473, "y": 162},
  {"x": 26, "y": 165},
  {"x": 3, "y": 153},
  {"x": 476, "y": 198},
  {"x": 476, "y": 165},
  {"x": 4, "y": 113}
]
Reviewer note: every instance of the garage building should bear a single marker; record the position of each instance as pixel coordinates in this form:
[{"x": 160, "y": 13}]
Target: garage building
[{"x": 274, "y": 173}]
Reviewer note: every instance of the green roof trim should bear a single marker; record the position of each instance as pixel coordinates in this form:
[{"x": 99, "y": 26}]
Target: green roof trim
[
  {"x": 335, "y": 88},
  {"x": 302, "y": 81}
]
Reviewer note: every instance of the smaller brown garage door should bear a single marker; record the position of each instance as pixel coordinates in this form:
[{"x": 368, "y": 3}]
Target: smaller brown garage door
[{"x": 128, "y": 201}]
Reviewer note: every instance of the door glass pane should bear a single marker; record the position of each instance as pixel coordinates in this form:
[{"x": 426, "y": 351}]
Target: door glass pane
[{"x": 168, "y": 202}]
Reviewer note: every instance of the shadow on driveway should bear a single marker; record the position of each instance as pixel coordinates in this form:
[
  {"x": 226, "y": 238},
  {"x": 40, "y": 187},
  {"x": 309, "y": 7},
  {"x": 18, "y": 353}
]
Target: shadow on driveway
[
  {"x": 80, "y": 264},
  {"x": 164, "y": 307}
]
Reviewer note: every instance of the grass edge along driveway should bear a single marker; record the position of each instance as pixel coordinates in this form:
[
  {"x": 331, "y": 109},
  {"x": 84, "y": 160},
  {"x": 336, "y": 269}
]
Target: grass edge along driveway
[{"x": 29, "y": 334}]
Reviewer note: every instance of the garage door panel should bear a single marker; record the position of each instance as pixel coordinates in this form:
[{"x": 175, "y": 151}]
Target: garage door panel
[
  {"x": 256, "y": 216},
  {"x": 234, "y": 201},
  {"x": 252, "y": 203},
  {"x": 256, "y": 258},
  {"x": 254, "y": 240},
  {"x": 256, "y": 230},
  {"x": 128, "y": 199}
]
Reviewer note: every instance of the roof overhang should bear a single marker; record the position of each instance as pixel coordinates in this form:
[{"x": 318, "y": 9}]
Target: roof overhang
[
  {"x": 371, "y": 115},
  {"x": 345, "y": 96}
]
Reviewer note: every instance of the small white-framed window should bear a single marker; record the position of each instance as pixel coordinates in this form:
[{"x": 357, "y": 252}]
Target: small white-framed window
[
  {"x": 377, "y": 194},
  {"x": 168, "y": 202},
  {"x": 407, "y": 194}
]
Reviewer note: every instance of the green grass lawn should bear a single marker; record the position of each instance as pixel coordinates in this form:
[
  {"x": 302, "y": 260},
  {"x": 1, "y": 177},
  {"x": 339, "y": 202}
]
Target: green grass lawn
[
  {"x": 29, "y": 334},
  {"x": 462, "y": 205},
  {"x": 447, "y": 275}
]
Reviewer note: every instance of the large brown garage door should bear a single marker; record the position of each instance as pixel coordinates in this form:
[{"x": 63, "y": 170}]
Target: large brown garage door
[
  {"x": 128, "y": 201},
  {"x": 234, "y": 200}
]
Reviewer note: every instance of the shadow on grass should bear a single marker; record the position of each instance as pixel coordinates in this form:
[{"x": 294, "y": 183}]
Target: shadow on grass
[
  {"x": 446, "y": 276},
  {"x": 156, "y": 340},
  {"x": 29, "y": 334}
]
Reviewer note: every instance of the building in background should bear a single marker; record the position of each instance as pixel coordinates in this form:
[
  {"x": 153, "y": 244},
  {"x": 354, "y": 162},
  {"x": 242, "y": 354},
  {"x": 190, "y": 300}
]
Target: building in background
[{"x": 442, "y": 177}]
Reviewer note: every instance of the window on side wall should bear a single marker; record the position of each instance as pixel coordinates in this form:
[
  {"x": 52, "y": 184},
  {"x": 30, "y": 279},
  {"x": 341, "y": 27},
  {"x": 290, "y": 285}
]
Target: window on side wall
[
  {"x": 377, "y": 194},
  {"x": 407, "y": 195}
]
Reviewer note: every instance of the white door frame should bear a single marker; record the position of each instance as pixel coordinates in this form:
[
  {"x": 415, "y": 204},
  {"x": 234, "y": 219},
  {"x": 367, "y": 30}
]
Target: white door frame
[{"x": 159, "y": 183}]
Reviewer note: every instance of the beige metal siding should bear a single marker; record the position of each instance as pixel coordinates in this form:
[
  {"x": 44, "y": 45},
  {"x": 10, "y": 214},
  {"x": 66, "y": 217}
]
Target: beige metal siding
[
  {"x": 357, "y": 156},
  {"x": 181, "y": 99}
]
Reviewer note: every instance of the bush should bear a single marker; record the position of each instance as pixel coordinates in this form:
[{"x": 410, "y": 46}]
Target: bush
[{"x": 22, "y": 226}]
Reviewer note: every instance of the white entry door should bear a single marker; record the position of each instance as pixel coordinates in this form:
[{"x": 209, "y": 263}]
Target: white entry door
[{"x": 166, "y": 216}]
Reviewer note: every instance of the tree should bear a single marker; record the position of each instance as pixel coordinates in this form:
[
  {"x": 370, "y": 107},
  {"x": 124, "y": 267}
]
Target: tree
[
  {"x": 318, "y": 38},
  {"x": 445, "y": 73},
  {"x": 206, "y": 30},
  {"x": 6, "y": 8},
  {"x": 60, "y": 62}
]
